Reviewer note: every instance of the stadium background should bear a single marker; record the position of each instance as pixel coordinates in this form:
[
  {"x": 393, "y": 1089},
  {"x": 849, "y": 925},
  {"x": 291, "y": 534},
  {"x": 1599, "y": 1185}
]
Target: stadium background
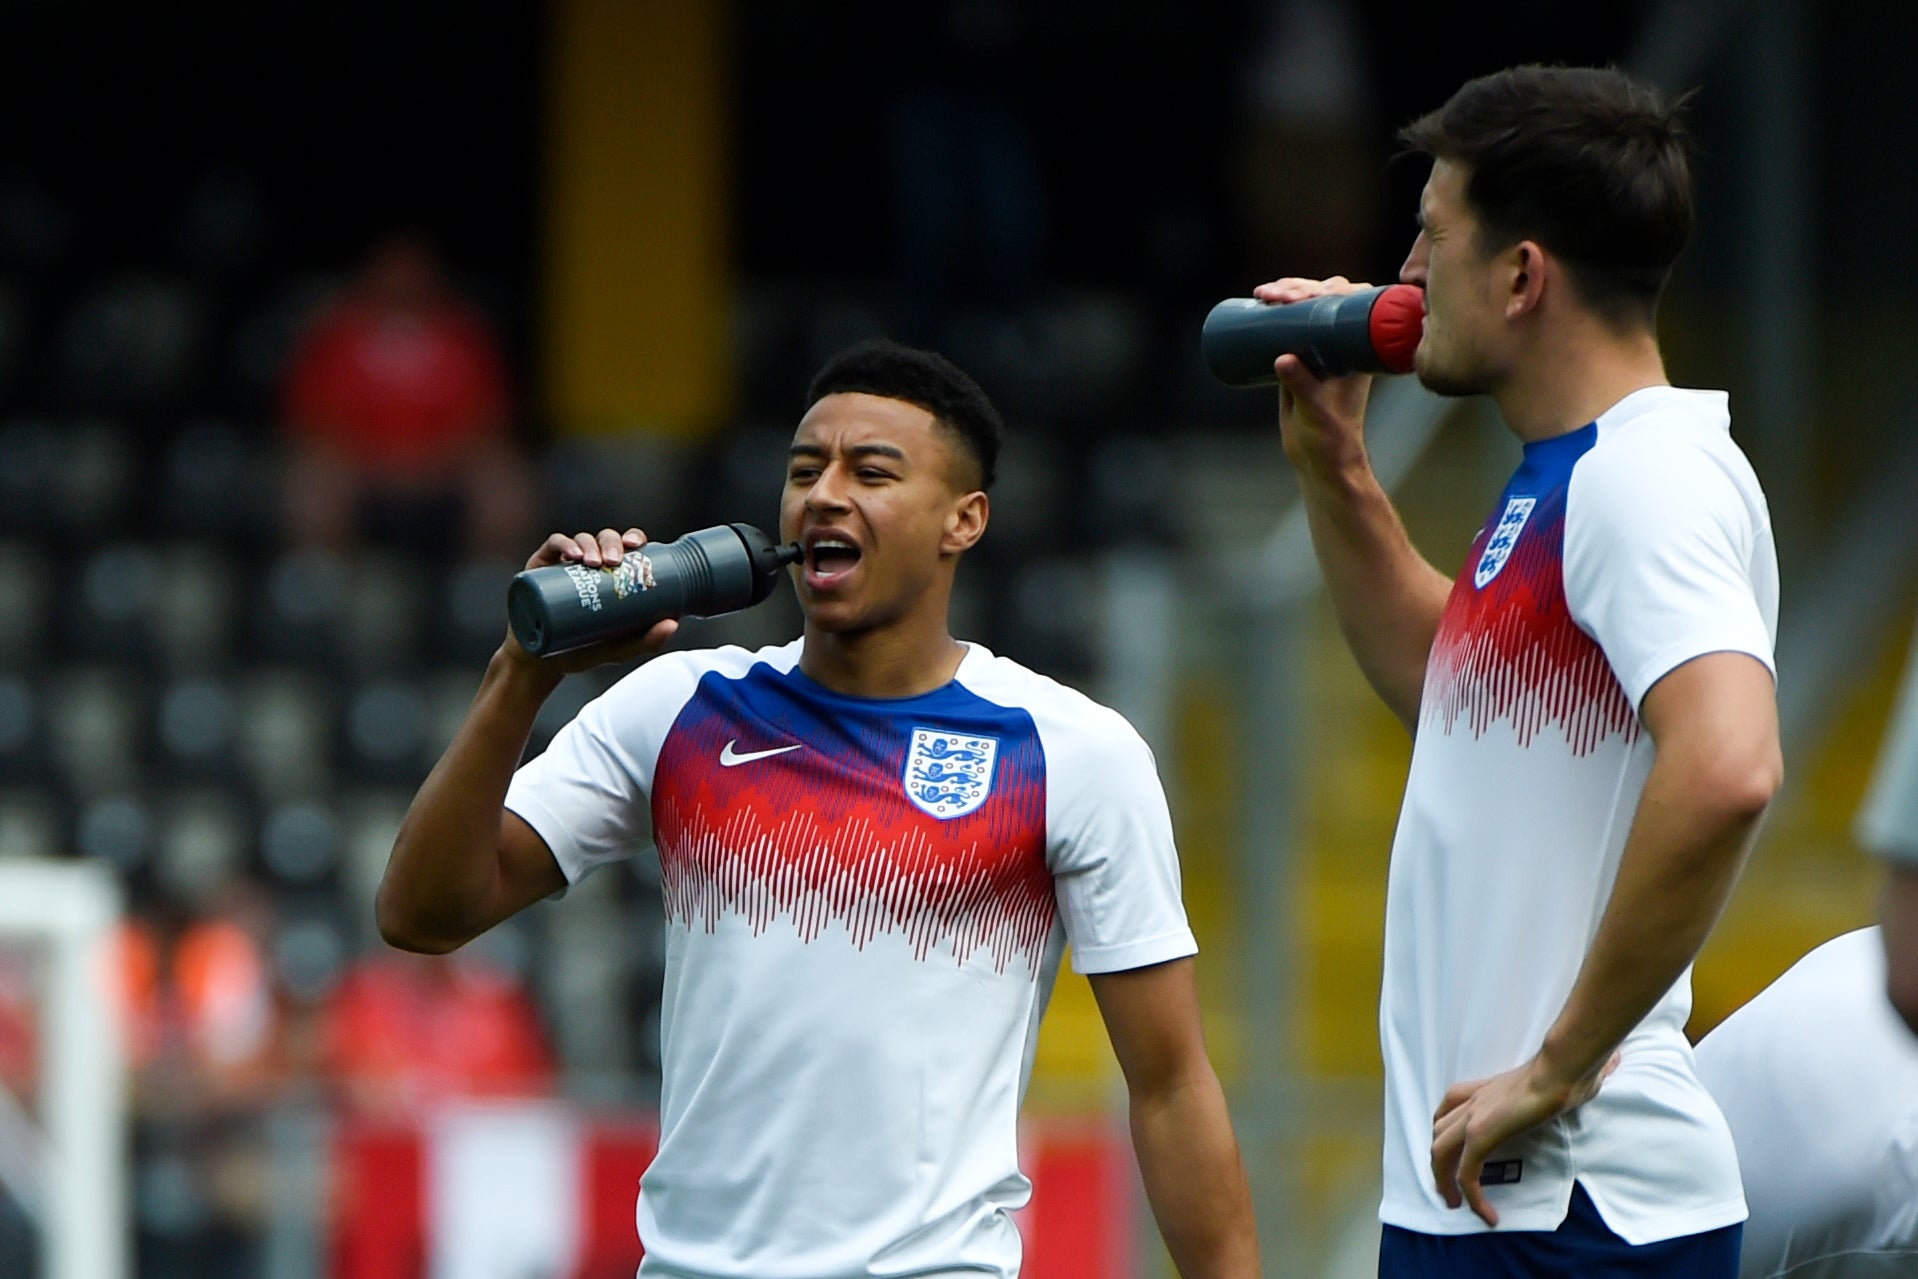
[{"x": 672, "y": 211}]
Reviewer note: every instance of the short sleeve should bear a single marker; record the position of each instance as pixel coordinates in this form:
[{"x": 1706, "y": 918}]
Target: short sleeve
[
  {"x": 1115, "y": 867},
  {"x": 587, "y": 795},
  {"x": 1661, "y": 551}
]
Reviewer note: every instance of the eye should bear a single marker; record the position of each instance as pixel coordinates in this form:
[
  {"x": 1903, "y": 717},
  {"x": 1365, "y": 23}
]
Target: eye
[
  {"x": 802, "y": 474},
  {"x": 874, "y": 474}
]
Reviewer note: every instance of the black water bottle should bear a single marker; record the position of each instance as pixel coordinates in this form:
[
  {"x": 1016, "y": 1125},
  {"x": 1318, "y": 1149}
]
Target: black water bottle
[
  {"x": 716, "y": 570},
  {"x": 1373, "y": 330}
]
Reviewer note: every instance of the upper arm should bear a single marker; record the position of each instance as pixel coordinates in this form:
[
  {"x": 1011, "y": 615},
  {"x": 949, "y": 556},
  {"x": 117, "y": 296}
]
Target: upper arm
[
  {"x": 1725, "y": 700},
  {"x": 1717, "y": 716},
  {"x": 527, "y": 870},
  {"x": 1152, "y": 1017}
]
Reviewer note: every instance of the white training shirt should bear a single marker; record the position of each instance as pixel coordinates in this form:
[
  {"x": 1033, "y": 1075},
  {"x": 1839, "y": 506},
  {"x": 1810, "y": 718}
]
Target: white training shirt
[
  {"x": 1819, "y": 1080},
  {"x": 866, "y": 904},
  {"x": 1616, "y": 553}
]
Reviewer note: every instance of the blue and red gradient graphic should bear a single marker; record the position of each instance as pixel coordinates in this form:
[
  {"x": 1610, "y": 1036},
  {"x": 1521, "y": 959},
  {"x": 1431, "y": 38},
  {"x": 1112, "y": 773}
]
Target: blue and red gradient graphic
[
  {"x": 1510, "y": 650},
  {"x": 826, "y": 835}
]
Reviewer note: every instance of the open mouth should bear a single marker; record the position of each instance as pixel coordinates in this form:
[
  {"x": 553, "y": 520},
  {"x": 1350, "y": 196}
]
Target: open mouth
[{"x": 829, "y": 559}]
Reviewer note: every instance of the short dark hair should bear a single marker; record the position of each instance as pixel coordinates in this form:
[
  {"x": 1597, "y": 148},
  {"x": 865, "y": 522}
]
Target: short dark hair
[
  {"x": 925, "y": 378},
  {"x": 1585, "y": 160}
]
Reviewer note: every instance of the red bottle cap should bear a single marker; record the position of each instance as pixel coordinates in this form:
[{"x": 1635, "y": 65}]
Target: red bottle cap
[{"x": 1396, "y": 324}]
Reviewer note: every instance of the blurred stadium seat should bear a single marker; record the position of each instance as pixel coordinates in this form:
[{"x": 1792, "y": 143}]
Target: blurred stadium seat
[
  {"x": 197, "y": 723},
  {"x": 204, "y": 843},
  {"x": 192, "y": 611},
  {"x": 216, "y": 482},
  {"x": 285, "y": 734},
  {"x": 23, "y": 595},
  {"x": 296, "y": 618},
  {"x": 29, "y": 464},
  {"x": 132, "y": 344},
  {"x": 95, "y": 721},
  {"x": 300, "y": 842}
]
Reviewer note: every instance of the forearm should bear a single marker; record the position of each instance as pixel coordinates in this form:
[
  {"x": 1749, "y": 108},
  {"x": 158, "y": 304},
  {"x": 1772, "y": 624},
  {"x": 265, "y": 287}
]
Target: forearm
[
  {"x": 1194, "y": 1179},
  {"x": 442, "y": 882},
  {"x": 1388, "y": 597},
  {"x": 1680, "y": 861}
]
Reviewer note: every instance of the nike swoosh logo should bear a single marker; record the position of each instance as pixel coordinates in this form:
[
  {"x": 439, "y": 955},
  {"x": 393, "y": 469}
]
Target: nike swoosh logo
[{"x": 729, "y": 758}]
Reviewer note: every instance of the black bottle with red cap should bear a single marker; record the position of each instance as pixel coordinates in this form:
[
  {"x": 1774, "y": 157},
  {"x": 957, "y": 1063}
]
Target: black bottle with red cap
[{"x": 1373, "y": 330}]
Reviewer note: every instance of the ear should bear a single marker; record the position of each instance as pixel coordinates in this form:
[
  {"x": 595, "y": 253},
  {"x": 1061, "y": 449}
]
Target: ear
[
  {"x": 965, "y": 522},
  {"x": 1525, "y": 285}
]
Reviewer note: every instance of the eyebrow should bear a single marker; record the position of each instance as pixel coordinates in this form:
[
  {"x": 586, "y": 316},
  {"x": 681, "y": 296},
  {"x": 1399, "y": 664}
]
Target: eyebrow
[{"x": 857, "y": 450}]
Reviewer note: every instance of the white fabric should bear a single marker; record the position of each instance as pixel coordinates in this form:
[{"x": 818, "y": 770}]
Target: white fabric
[
  {"x": 1668, "y": 544},
  {"x": 1616, "y": 554},
  {"x": 504, "y": 1190},
  {"x": 1819, "y": 1081},
  {"x": 847, "y": 1028}
]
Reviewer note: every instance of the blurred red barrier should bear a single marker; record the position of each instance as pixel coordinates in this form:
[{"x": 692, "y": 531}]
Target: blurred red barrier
[{"x": 386, "y": 1217}]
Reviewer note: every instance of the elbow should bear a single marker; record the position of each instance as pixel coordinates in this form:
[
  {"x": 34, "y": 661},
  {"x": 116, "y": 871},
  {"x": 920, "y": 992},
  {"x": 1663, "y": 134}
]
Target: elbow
[
  {"x": 402, "y": 930},
  {"x": 1743, "y": 789}
]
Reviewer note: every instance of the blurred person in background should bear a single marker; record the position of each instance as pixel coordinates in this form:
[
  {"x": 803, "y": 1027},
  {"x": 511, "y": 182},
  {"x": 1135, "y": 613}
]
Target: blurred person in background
[
  {"x": 20, "y": 1081},
  {"x": 1888, "y": 826},
  {"x": 1818, "y": 1074},
  {"x": 875, "y": 842},
  {"x": 1592, "y": 701},
  {"x": 400, "y": 1033},
  {"x": 398, "y": 414},
  {"x": 206, "y": 1050},
  {"x": 1818, "y": 1078}
]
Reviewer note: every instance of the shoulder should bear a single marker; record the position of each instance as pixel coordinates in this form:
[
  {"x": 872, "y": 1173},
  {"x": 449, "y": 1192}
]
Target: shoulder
[
  {"x": 1663, "y": 445},
  {"x": 1670, "y": 473},
  {"x": 665, "y": 683},
  {"x": 1071, "y": 725}
]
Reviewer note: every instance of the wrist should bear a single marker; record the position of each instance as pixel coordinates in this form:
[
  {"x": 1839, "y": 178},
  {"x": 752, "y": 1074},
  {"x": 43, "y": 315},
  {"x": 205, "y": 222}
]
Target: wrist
[
  {"x": 516, "y": 674},
  {"x": 1560, "y": 1070},
  {"x": 1329, "y": 457}
]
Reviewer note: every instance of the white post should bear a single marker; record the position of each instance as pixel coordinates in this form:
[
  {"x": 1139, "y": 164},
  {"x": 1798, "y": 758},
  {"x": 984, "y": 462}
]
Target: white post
[{"x": 72, "y": 907}]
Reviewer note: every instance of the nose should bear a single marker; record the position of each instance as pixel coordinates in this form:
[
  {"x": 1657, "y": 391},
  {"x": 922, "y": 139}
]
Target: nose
[
  {"x": 1414, "y": 269},
  {"x": 827, "y": 493}
]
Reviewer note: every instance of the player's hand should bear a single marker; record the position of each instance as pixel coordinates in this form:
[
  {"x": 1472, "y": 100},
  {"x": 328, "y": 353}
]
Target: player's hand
[
  {"x": 1480, "y": 1115},
  {"x": 604, "y": 549},
  {"x": 1321, "y": 420}
]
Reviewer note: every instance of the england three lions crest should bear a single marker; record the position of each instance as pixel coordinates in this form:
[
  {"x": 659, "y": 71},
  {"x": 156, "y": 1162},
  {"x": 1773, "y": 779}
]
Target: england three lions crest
[
  {"x": 949, "y": 774},
  {"x": 1498, "y": 547}
]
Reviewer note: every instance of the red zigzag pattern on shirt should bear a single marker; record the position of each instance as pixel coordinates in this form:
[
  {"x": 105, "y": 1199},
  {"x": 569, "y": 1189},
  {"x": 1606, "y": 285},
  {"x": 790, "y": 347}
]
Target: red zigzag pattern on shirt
[
  {"x": 1512, "y": 651},
  {"x": 873, "y": 877}
]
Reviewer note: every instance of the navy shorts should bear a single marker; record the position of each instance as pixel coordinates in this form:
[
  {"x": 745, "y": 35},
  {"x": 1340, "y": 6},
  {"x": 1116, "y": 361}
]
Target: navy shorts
[{"x": 1583, "y": 1247}]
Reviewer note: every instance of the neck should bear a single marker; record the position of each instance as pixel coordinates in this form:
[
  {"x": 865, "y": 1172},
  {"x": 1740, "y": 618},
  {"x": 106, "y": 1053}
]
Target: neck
[
  {"x": 1575, "y": 374},
  {"x": 886, "y": 661}
]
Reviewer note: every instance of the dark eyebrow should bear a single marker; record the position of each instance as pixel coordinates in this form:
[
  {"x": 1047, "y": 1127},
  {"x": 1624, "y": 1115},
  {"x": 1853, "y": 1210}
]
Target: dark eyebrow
[{"x": 857, "y": 450}]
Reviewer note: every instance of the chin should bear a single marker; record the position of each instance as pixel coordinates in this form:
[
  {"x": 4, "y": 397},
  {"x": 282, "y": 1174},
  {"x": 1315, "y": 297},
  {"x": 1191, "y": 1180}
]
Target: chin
[
  {"x": 1440, "y": 380},
  {"x": 834, "y": 617}
]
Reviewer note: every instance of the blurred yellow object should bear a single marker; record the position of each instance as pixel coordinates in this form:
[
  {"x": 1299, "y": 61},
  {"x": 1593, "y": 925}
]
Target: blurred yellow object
[{"x": 637, "y": 260}]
